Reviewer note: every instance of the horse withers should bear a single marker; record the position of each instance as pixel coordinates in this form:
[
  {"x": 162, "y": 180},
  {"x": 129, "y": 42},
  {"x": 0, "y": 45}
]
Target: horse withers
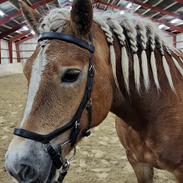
[{"x": 85, "y": 66}]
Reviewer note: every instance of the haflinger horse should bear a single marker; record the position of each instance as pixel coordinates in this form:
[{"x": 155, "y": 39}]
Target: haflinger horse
[{"x": 85, "y": 66}]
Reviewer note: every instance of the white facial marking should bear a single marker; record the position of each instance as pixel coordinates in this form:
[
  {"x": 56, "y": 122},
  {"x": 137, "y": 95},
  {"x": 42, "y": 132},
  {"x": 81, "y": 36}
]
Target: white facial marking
[{"x": 37, "y": 70}]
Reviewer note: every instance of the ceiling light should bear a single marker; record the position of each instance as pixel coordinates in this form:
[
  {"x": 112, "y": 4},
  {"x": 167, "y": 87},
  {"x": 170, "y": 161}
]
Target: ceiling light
[
  {"x": 129, "y": 5},
  {"x": 176, "y": 20},
  {"x": 25, "y": 28},
  {"x": 122, "y": 12},
  {"x": 137, "y": 7},
  {"x": 32, "y": 32},
  {"x": 162, "y": 26},
  {"x": 2, "y": 13}
]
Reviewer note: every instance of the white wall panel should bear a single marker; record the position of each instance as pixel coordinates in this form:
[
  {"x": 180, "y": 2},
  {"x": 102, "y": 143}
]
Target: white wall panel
[
  {"x": 27, "y": 48},
  {"x": 8, "y": 69},
  {"x": 170, "y": 40},
  {"x": 180, "y": 45},
  {"x": 179, "y": 37},
  {"x": 4, "y": 52},
  {"x": 179, "y": 41}
]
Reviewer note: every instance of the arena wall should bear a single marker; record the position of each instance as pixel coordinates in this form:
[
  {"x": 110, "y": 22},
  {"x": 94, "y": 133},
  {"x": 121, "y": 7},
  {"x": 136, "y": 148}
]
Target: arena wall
[
  {"x": 25, "y": 51},
  {"x": 27, "y": 48},
  {"x": 9, "y": 69}
]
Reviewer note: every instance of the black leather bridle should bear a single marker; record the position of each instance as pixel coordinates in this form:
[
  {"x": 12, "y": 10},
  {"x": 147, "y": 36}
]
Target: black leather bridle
[{"x": 74, "y": 124}]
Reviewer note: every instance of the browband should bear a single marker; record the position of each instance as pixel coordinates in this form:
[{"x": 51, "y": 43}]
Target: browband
[{"x": 67, "y": 38}]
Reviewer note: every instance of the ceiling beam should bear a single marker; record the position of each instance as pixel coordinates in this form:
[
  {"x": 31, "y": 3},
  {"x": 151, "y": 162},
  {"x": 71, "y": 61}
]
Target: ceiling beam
[
  {"x": 19, "y": 36},
  {"x": 6, "y": 19},
  {"x": 2, "y": 1},
  {"x": 10, "y": 31},
  {"x": 25, "y": 39},
  {"x": 172, "y": 27},
  {"x": 156, "y": 9},
  {"x": 180, "y": 1},
  {"x": 41, "y": 3},
  {"x": 15, "y": 3}
]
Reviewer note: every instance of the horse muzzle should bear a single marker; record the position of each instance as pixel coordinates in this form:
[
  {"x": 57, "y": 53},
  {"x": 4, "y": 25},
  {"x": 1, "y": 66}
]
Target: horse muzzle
[{"x": 27, "y": 162}]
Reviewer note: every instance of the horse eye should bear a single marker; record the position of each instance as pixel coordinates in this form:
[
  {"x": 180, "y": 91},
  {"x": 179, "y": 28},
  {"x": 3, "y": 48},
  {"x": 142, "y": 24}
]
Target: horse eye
[{"x": 70, "y": 76}]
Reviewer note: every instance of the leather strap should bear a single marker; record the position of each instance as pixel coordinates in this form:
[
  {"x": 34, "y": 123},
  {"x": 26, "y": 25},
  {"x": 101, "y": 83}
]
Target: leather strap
[{"x": 67, "y": 38}]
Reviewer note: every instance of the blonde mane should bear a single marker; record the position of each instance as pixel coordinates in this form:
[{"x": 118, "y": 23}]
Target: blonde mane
[{"x": 134, "y": 26}]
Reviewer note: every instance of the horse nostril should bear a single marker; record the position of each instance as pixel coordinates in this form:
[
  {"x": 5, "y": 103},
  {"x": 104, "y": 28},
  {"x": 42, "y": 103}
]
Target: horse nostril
[
  {"x": 11, "y": 173},
  {"x": 26, "y": 172}
]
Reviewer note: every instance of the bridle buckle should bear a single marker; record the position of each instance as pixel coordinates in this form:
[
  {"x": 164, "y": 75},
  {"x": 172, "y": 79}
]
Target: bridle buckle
[{"x": 87, "y": 133}]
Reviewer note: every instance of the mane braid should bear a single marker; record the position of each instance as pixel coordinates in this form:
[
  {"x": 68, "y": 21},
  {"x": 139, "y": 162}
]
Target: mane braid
[
  {"x": 177, "y": 65},
  {"x": 124, "y": 57},
  {"x": 179, "y": 68},
  {"x": 141, "y": 30},
  {"x": 165, "y": 63},
  {"x": 151, "y": 39},
  {"x": 106, "y": 28},
  {"x": 132, "y": 35}
]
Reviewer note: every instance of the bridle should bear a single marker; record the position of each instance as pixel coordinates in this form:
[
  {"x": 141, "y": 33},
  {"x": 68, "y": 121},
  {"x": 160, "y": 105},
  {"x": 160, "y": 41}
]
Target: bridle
[{"x": 56, "y": 154}]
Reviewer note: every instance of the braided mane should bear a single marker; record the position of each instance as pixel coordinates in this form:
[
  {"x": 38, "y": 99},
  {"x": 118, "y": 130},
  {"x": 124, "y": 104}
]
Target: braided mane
[
  {"x": 133, "y": 28},
  {"x": 139, "y": 32}
]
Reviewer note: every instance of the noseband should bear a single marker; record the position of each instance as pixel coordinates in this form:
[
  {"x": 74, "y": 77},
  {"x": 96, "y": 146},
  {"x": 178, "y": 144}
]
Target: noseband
[{"x": 59, "y": 162}]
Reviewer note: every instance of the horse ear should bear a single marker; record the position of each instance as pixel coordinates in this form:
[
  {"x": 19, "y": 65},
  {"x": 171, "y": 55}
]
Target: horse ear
[
  {"x": 81, "y": 16},
  {"x": 31, "y": 15}
]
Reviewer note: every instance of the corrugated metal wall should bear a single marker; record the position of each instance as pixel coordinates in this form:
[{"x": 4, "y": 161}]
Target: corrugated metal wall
[
  {"x": 5, "y": 57},
  {"x": 179, "y": 41},
  {"x": 27, "y": 48},
  {"x": 170, "y": 40}
]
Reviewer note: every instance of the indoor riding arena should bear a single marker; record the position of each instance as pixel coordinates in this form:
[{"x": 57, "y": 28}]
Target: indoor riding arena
[{"x": 100, "y": 158}]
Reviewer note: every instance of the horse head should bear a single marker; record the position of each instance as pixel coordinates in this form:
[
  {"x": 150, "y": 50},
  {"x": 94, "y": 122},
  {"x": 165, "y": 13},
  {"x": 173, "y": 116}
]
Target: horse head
[{"x": 65, "y": 80}]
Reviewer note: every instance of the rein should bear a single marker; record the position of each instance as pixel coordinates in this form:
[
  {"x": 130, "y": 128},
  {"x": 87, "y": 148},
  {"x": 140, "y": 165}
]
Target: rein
[{"x": 56, "y": 154}]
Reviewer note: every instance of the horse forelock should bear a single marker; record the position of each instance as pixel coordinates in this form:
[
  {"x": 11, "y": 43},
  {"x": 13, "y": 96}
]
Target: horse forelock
[{"x": 55, "y": 20}]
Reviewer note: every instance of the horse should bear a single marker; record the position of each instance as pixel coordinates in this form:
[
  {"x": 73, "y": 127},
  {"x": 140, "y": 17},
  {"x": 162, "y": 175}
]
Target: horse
[{"x": 85, "y": 66}]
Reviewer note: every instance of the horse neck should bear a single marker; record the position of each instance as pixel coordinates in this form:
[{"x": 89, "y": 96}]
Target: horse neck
[{"x": 125, "y": 100}]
